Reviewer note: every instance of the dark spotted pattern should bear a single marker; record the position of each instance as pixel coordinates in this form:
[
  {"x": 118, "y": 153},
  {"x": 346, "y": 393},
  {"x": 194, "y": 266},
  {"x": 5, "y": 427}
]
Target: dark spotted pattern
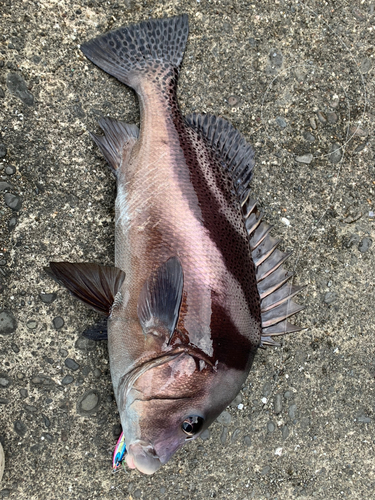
[{"x": 146, "y": 47}]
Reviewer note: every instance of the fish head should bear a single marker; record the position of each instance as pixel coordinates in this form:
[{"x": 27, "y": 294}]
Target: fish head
[{"x": 169, "y": 404}]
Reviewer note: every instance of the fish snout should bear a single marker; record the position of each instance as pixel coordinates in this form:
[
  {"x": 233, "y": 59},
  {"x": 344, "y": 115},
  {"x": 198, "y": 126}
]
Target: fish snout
[{"x": 142, "y": 456}]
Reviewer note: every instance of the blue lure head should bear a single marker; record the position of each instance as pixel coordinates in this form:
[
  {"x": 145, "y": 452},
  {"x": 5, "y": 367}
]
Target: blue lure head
[{"x": 119, "y": 453}]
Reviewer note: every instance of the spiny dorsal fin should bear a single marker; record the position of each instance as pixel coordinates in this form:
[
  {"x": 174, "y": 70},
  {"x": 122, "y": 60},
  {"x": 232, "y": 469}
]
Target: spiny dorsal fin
[
  {"x": 93, "y": 284},
  {"x": 235, "y": 154},
  {"x": 160, "y": 299},
  {"x": 117, "y": 141}
]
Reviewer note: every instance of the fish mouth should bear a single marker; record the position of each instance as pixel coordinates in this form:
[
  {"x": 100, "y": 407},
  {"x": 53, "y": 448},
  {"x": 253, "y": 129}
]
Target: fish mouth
[{"x": 142, "y": 456}]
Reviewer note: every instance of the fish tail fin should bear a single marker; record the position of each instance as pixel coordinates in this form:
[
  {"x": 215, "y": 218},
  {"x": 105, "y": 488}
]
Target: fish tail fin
[{"x": 131, "y": 51}]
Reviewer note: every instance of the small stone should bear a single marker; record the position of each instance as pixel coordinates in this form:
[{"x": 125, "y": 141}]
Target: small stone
[
  {"x": 47, "y": 298},
  {"x": 364, "y": 420},
  {"x": 233, "y": 100},
  {"x": 321, "y": 117},
  {"x": 360, "y": 147},
  {"x": 276, "y": 58},
  {"x": 97, "y": 373},
  {"x": 205, "y": 435},
  {"x": 20, "y": 428},
  {"x": 235, "y": 435},
  {"x": 285, "y": 432},
  {"x": 308, "y": 137},
  {"x": 4, "y": 401},
  {"x": 308, "y": 158},
  {"x": 350, "y": 241},
  {"x": 365, "y": 244},
  {"x": 63, "y": 353},
  {"x": 8, "y": 323},
  {"x": 224, "y": 418},
  {"x": 116, "y": 431},
  {"x": 68, "y": 379},
  {"x": 15, "y": 348},
  {"x": 330, "y": 297},
  {"x": 89, "y": 402},
  {"x": 3, "y": 151},
  {"x": 12, "y": 223},
  {"x": 18, "y": 87},
  {"x": 58, "y": 322},
  {"x": 12, "y": 201},
  {"x": 236, "y": 401},
  {"x": 37, "y": 380},
  {"x": 85, "y": 344},
  {"x": 4, "y": 186},
  {"x": 71, "y": 364},
  {"x": 281, "y": 122},
  {"x": 2, "y": 93},
  {"x": 265, "y": 470},
  {"x": 137, "y": 493},
  {"x": 47, "y": 421},
  {"x": 247, "y": 440},
  {"x": 24, "y": 393},
  {"x": 335, "y": 153},
  {"x": 292, "y": 411},
  {"x": 32, "y": 324},
  {"x": 366, "y": 65},
  {"x": 31, "y": 408},
  {"x": 4, "y": 381},
  {"x": 224, "y": 435},
  {"x": 332, "y": 118},
  {"x": 271, "y": 427},
  {"x": 313, "y": 123},
  {"x": 277, "y": 404},
  {"x": 10, "y": 170},
  {"x": 267, "y": 388}
]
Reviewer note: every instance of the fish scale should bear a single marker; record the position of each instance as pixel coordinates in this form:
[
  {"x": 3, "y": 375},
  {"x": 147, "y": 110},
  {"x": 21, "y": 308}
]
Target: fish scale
[{"x": 198, "y": 284}]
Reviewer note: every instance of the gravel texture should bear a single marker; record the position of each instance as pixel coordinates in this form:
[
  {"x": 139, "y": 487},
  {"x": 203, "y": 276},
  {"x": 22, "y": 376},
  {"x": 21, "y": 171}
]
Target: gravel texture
[{"x": 297, "y": 79}]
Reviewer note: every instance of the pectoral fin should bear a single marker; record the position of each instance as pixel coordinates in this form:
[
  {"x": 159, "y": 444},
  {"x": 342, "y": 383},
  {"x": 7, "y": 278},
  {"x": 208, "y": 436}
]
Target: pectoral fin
[
  {"x": 97, "y": 331},
  {"x": 160, "y": 299},
  {"x": 93, "y": 284}
]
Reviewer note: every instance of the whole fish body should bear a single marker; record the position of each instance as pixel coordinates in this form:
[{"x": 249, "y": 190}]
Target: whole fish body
[{"x": 198, "y": 284}]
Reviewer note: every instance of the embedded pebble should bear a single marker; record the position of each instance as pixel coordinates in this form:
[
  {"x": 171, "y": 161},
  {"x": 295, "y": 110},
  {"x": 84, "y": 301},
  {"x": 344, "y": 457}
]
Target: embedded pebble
[
  {"x": 47, "y": 298},
  {"x": 89, "y": 402},
  {"x": 233, "y": 100},
  {"x": 308, "y": 158},
  {"x": 277, "y": 404},
  {"x": 68, "y": 379},
  {"x": 267, "y": 388},
  {"x": 18, "y": 87},
  {"x": 20, "y": 428},
  {"x": 8, "y": 323},
  {"x": 332, "y": 118},
  {"x": 363, "y": 419},
  {"x": 3, "y": 151},
  {"x": 4, "y": 381},
  {"x": 276, "y": 58},
  {"x": 12, "y": 223},
  {"x": 247, "y": 440},
  {"x": 321, "y": 117},
  {"x": 292, "y": 411},
  {"x": 236, "y": 401},
  {"x": 85, "y": 344},
  {"x": 281, "y": 122},
  {"x": 366, "y": 65},
  {"x": 288, "y": 395},
  {"x": 58, "y": 322},
  {"x": 24, "y": 393},
  {"x": 5, "y": 186},
  {"x": 335, "y": 153},
  {"x": 12, "y": 201},
  {"x": 330, "y": 297},
  {"x": 31, "y": 408},
  {"x": 10, "y": 170},
  {"x": 224, "y": 418},
  {"x": 271, "y": 427},
  {"x": 285, "y": 432},
  {"x": 365, "y": 244},
  {"x": 265, "y": 470},
  {"x": 205, "y": 435},
  {"x": 71, "y": 364},
  {"x": 97, "y": 373},
  {"x": 313, "y": 123},
  {"x": 32, "y": 324},
  {"x": 224, "y": 435},
  {"x": 308, "y": 137},
  {"x": 235, "y": 435}
]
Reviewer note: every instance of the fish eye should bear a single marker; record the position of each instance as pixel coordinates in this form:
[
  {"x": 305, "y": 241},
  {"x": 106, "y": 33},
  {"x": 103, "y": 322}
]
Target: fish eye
[{"x": 192, "y": 425}]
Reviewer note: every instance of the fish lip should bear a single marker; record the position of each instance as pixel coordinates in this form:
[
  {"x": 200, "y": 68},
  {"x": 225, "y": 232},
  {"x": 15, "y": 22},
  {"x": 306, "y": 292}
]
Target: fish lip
[{"x": 142, "y": 456}]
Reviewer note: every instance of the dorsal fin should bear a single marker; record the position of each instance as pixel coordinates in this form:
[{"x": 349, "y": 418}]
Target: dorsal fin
[
  {"x": 117, "y": 141},
  {"x": 235, "y": 154},
  {"x": 237, "y": 158},
  {"x": 160, "y": 299},
  {"x": 93, "y": 284}
]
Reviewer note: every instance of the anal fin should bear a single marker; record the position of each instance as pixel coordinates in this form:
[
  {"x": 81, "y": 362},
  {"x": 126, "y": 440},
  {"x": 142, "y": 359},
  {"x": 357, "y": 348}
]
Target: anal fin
[{"x": 117, "y": 142}]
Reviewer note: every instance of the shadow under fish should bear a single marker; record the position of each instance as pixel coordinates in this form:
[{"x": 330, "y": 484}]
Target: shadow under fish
[{"x": 199, "y": 283}]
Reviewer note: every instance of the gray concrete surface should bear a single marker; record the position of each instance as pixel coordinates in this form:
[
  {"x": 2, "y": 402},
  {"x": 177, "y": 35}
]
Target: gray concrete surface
[{"x": 297, "y": 79}]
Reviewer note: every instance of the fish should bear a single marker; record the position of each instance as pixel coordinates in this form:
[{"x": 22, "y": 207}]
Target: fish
[{"x": 198, "y": 283}]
